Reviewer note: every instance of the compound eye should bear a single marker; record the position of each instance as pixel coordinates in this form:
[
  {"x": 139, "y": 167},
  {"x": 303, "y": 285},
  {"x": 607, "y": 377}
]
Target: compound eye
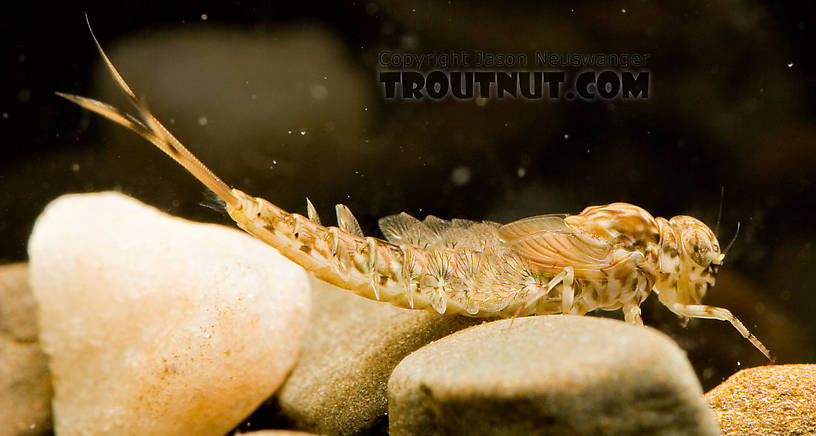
[{"x": 698, "y": 247}]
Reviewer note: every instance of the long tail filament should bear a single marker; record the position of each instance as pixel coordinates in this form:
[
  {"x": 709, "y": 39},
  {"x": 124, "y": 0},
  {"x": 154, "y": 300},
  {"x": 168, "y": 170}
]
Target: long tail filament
[{"x": 151, "y": 129}]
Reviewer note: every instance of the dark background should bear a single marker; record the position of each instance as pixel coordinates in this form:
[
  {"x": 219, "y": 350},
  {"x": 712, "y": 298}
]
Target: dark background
[{"x": 732, "y": 106}]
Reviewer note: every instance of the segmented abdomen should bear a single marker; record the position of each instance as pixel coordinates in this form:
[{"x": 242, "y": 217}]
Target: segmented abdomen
[{"x": 488, "y": 281}]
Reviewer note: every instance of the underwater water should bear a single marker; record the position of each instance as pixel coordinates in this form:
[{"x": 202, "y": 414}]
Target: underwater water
[{"x": 287, "y": 101}]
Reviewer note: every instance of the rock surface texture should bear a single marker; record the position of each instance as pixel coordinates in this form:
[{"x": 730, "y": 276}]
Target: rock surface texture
[
  {"x": 353, "y": 344},
  {"x": 156, "y": 325},
  {"x": 25, "y": 385},
  {"x": 767, "y": 400},
  {"x": 276, "y": 433},
  {"x": 553, "y": 375}
]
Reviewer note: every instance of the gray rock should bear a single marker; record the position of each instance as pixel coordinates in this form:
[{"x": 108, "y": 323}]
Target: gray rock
[
  {"x": 353, "y": 344},
  {"x": 25, "y": 384},
  {"x": 553, "y": 375}
]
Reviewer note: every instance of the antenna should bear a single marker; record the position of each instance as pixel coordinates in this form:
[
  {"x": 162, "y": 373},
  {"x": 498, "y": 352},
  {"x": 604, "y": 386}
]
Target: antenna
[
  {"x": 734, "y": 239},
  {"x": 719, "y": 212}
]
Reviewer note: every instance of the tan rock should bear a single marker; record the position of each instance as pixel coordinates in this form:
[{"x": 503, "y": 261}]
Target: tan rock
[
  {"x": 25, "y": 384},
  {"x": 17, "y": 306},
  {"x": 353, "y": 344},
  {"x": 767, "y": 400},
  {"x": 276, "y": 433},
  {"x": 554, "y": 375},
  {"x": 156, "y": 325}
]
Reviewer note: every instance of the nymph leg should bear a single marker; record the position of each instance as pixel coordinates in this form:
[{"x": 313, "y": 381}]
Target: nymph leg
[{"x": 711, "y": 312}]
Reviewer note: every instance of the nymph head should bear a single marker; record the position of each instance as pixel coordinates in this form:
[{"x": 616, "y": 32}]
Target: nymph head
[{"x": 688, "y": 260}]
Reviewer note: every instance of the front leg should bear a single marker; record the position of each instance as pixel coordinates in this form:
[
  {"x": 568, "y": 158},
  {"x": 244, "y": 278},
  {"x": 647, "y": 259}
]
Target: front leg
[
  {"x": 631, "y": 308},
  {"x": 631, "y": 283},
  {"x": 712, "y": 312}
]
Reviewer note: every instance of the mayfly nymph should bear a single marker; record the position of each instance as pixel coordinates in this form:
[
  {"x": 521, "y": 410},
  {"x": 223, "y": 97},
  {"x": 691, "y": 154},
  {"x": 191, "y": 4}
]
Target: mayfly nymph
[{"x": 607, "y": 257}]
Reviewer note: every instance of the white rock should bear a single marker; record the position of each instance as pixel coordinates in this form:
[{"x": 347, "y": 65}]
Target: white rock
[{"x": 156, "y": 325}]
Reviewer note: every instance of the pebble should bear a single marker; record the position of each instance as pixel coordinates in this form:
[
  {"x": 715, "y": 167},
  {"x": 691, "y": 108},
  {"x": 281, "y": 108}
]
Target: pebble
[
  {"x": 157, "y": 325},
  {"x": 339, "y": 385},
  {"x": 276, "y": 433},
  {"x": 767, "y": 400},
  {"x": 25, "y": 384},
  {"x": 553, "y": 375}
]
